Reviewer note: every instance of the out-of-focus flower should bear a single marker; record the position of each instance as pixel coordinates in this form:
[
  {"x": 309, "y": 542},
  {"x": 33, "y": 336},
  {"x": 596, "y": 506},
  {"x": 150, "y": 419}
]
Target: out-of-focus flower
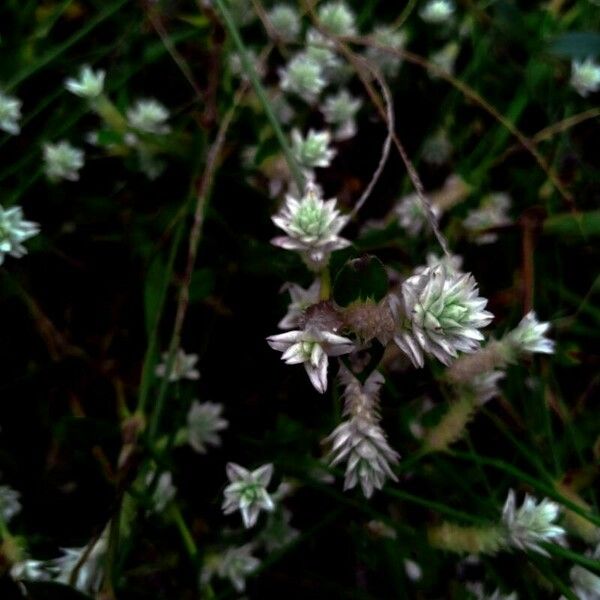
[
  {"x": 149, "y": 116},
  {"x": 164, "y": 491},
  {"x": 204, "y": 421},
  {"x": 184, "y": 366},
  {"x": 30, "y": 570},
  {"x": 452, "y": 263},
  {"x": 10, "y": 114},
  {"x": 412, "y": 215},
  {"x": 531, "y": 523},
  {"x": 303, "y": 76},
  {"x": 413, "y": 570},
  {"x": 242, "y": 12},
  {"x": 14, "y": 230},
  {"x": 311, "y": 348},
  {"x": 437, "y": 148},
  {"x": 585, "y": 76},
  {"x": 492, "y": 212},
  {"x": 313, "y": 150},
  {"x": 337, "y": 18},
  {"x": 10, "y": 505},
  {"x": 529, "y": 336},
  {"x": 446, "y": 57},
  {"x": 237, "y": 66},
  {"x": 90, "y": 570},
  {"x": 321, "y": 49},
  {"x": 359, "y": 441},
  {"x": 247, "y": 492},
  {"x": 387, "y": 62},
  {"x": 484, "y": 386},
  {"x": 479, "y": 592},
  {"x": 312, "y": 226},
  {"x": 89, "y": 84},
  {"x": 444, "y": 313},
  {"x": 285, "y": 21},
  {"x": 62, "y": 161},
  {"x": 278, "y": 533},
  {"x": 586, "y": 585},
  {"x": 340, "y": 110},
  {"x": 301, "y": 299},
  {"x": 437, "y": 11},
  {"x": 235, "y": 564}
]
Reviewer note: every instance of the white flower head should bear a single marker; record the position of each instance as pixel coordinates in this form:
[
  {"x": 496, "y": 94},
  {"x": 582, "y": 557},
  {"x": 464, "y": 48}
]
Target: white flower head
[
  {"x": 29, "y": 569},
  {"x": 413, "y": 570},
  {"x": 164, "y": 491},
  {"x": 303, "y": 76},
  {"x": 412, "y": 215},
  {"x": 437, "y": 11},
  {"x": 531, "y": 523},
  {"x": 387, "y": 62},
  {"x": 586, "y": 585},
  {"x": 452, "y": 263},
  {"x": 90, "y": 572},
  {"x": 14, "y": 230},
  {"x": 149, "y": 116},
  {"x": 337, "y": 18},
  {"x": 444, "y": 313},
  {"x": 312, "y": 348},
  {"x": 585, "y": 76},
  {"x": 62, "y": 161},
  {"x": 313, "y": 150},
  {"x": 446, "y": 57},
  {"x": 247, "y": 492},
  {"x": 530, "y": 336},
  {"x": 301, "y": 299},
  {"x": 184, "y": 366},
  {"x": 492, "y": 212},
  {"x": 236, "y": 564},
  {"x": 340, "y": 110},
  {"x": 321, "y": 50},
  {"x": 89, "y": 84},
  {"x": 484, "y": 386},
  {"x": 359, "y": 441},
  {"x": 10, "y": 114},
  {"x": 437, "y": 149},
  {"x": 285, "y": 21},
  {"x": 10, "y": 505},
  {"x": 204, "y": 421},
  {"x": 312, "y": 226}
]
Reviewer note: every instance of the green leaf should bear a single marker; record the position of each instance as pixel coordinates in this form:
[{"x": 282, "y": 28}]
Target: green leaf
[
  {"x": 153, "y": 292},
  {"x": 361, "y": 279},
  {"x": 202, "y": 284},
  {"x": 569, "y": 225},
  {"x": 576, "y": 44}
]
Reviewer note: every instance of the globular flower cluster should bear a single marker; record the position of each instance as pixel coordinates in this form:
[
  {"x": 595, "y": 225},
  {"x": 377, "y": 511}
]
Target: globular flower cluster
[
  {"x": 529, "y": 337},
  {"x": 359, "y": 441},
  {"x": 62, "y": 161},
  {"x": 493, "y": 212},
  {"x": 585, "y": 76},
  {"x": 304, "y": 77},
  {"x": 412, "y": 215},
  {"x": 312, "y": 150},
  {"x": 285, "y": 21},
  {"x": 149, "y": 116},
  {"x": 387, "y": 62},
  {"x": 444, "y": 314},
  {"x": 340, "y": 111},
  {"x": 312, "y": 226},
  {"x": 437, "y": 11}
]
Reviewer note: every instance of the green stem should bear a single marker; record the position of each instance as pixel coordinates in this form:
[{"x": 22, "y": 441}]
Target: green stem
[
  {"x": 260, "y": 92},
  {"x": 325, "y": 278}
]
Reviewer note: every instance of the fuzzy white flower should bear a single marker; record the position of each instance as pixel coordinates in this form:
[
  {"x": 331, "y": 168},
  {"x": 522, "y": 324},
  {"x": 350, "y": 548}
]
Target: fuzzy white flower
[
  {"x": 89, "y": 84},
  {"x": 14, "y": 230},
  {"x": 247, "y": 492},
  {"x": 90, "y": 570},
  {"x": 311, "y": 348},
  {"x": 437, "y": 11},
  {"x": 484, "y": 386},
  {"x": 321, "y": 49},
  {"x": 285, "y": 21},
  {"x": 10, "y": 505},
  {"x": 531, "y": 523},
  {"x": 492, "y": 212},
  {"x": 164, "y": 491},
  {"x": 437, "y": 148},
  {"x": 303, "y": 76},
  {"x": 301, "y": 299},
  {"x": 29, "y": 569},
  {"x": 149, "y": 116},
  {"x": 204, "y": 421},
  {"x": 444, "y": 313},
  {"x": 10, "y": 114},
  {"x": 312, "y": 226},
  {"x": 337, "y": 18},
  {"x": 62, "y": 161},
  {"x": 585, "y": 76},
  {"x": 313, "y": 150},
  {"x": 412, "y": 215},
  {"x": 413, "y": 570},
  {"x": 236, "y": 564},
  {"x": 446, "y": 57},
  {"x": 340, "y": 110},
  {"x": 530, "y": 336},
  {"x": 387, "y": 62},
  {"x": 360, "y": 441},
  {"x": 184, "y": 366},
  {"x": 586, "y": 585}
]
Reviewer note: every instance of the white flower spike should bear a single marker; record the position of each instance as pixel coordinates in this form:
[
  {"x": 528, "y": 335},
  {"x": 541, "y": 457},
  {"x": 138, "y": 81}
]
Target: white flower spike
[
  {"x": 10, "y": 114},
  {"x": 247, "y": 492},
  {"x": 530, "y": 336},
  {"x": 311, "y": 348},
  {"x": 313, "y": 150},
  {"x": 89, "y": 84},
  {"x": 285, "y": 21},
  {"x": 340, "y": 110},
  {"x": 337, "y": 18},
  {"x": 531, "y": 523},
  {"x": 14, "y": 230},
  {"x": 444, "y": 313},
  {"x": 303, "y": 76},
  {"x": 149, "y": 116},
  {"x": 312, "y": 226}
]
